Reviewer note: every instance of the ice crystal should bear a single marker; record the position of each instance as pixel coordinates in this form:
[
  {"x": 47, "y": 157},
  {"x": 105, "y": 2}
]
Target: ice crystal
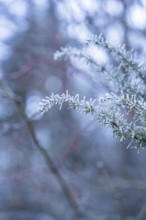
[{"x": 124, "y": 109}]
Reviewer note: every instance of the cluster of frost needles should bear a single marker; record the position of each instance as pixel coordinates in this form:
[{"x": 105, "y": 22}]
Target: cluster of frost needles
[{"x": 124, "y": 109}]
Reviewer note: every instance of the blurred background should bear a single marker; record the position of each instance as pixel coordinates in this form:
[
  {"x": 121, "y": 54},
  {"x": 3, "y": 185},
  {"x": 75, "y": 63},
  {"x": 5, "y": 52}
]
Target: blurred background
[{"x": 107, "y": 180}]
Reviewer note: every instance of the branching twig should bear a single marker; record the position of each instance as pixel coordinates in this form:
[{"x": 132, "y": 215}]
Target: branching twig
[{"x": 108, "y": 111}]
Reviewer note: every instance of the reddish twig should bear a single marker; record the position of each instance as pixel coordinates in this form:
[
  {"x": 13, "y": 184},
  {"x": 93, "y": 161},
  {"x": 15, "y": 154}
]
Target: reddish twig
[{"x": 72, "y": 146}]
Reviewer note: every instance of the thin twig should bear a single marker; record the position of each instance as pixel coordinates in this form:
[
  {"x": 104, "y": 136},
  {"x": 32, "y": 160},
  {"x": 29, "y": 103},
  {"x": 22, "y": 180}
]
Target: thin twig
[
  {"x": 114, "y": 190},
  {"x": 66, "y": 189},
  {"x": 142, "y": 212}
]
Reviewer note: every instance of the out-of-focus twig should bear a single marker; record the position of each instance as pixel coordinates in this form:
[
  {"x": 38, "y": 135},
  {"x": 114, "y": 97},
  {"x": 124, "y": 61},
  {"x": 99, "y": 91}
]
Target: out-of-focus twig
[
  {"x": 72, "y": 146},
  {"x": 113, "y": 189},
  {"x": 142, "y": 213},
  {"x": 66, "y": 189}
]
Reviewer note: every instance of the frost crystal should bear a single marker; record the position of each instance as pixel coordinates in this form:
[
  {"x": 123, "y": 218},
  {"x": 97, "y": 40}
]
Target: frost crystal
[{"x": 124, "y": 109}]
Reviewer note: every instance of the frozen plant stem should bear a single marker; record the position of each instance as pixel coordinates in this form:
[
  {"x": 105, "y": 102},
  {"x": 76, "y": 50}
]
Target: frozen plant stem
[
  {"x": 50, "y": 163},
  {"x": 124, "y": 109},
  {"x": 107, "y": 110}
]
